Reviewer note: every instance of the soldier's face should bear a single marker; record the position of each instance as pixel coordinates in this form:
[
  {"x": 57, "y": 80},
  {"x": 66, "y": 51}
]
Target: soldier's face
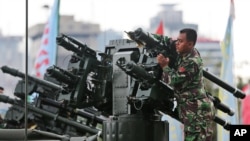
[{"x": 183, "y": 45}]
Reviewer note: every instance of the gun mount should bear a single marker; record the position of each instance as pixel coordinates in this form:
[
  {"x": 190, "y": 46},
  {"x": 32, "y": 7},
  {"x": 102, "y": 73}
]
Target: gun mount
[
  {"x": 159, "y": 44},
  {"x": 91, "y": 77},
  {"x": 121, "y": 92}
]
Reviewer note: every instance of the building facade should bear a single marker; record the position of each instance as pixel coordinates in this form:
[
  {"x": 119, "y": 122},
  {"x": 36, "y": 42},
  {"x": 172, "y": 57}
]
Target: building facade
[
  {"x": 87, "y": 33},
  {"x": 11, "y": 57},
  {"x": 172, "y": 19}
]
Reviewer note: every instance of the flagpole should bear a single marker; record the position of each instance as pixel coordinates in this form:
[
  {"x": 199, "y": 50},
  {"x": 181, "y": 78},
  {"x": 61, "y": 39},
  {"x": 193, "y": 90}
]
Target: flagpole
[
  {"x": 58, "y": 31},
  {"x": 26, "y": 76}
]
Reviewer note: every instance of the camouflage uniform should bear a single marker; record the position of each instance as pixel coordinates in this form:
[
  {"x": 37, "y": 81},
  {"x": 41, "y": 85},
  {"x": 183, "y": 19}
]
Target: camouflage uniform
[{"x": 196, "y": 111}]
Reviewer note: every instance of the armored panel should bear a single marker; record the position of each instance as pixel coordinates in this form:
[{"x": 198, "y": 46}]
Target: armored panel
[
  {"x": 135, "y": 128},
  {"x": 121, "y": 85}
]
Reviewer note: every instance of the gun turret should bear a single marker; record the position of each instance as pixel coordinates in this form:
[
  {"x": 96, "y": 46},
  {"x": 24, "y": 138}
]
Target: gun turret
[
  {"x": 88, "y": 78},
  {"x": 138, "y": 72}
]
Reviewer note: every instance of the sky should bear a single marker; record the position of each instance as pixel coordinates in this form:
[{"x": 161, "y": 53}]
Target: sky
[{"x": 126, "y": 15}]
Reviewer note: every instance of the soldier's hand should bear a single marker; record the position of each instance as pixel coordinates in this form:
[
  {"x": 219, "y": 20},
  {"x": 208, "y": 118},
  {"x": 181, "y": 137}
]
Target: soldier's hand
[{"x": 162, "y": 61}]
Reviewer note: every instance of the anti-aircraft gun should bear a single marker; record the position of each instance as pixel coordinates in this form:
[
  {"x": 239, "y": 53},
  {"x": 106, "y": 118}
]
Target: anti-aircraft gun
[
  {"x": 65, "y": 91},
  {"x": 69, "y": 90},
  {"x": 88, "y": 82},
  {"x": 46, "y": 113},
  {"x": 92, "y": 78},
  {"x": 128, "y": 104},
  {"x": 123, "y": 85},
  {"x": 154, "y": 45},
  {"x": 162, "y": 44}
]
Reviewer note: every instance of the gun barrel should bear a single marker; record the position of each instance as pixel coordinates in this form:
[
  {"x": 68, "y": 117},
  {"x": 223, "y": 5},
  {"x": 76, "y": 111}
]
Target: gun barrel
[
  {"x": 222, "y": 122},
  {"x": 236, "y": 92},
  {"x": 67, "y": 44},
  {"x": 64, "y": 120},
  {"x": 140, "y": 35},
  {"x": 72, "y": 44},
  {"x": 12, "y": 71},
  {"x": 17, "y": 73},
  {"x": 66, "y": 72},
  {"x": 221, "y": 106},
  {"x": 89, "y": 115},
  {"x": 138, "y": 72},
  {"x": 82, "y": 113},
  {"x": 61, "y": 76},
  {"x": 6, "y": 99}
]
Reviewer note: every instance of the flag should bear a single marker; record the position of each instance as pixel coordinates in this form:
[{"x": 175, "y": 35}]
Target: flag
[
  {"x": 245, "y": 106},
  {"x": 160, "y": 28},
  {"x": 47, "y": 52},
  {"x": 227, "y": 75}
]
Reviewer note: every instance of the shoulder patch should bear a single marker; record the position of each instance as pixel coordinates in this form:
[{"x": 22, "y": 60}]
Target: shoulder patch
[{"x": 181, "y": 69}]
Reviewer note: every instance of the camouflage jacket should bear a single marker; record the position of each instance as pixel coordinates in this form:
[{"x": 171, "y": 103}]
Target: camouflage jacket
[{"x": 187, "y": 75}]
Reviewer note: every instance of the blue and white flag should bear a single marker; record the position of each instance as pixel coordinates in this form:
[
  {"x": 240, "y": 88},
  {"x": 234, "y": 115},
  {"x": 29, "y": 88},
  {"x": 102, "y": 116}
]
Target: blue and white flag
[
  {"x": 47, "y": 53},
  {"x": 227, "y": 75}
]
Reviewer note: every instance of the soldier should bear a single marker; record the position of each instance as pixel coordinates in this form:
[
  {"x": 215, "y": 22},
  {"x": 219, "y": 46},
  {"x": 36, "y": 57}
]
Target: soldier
[{"x": 196, "y": 111}]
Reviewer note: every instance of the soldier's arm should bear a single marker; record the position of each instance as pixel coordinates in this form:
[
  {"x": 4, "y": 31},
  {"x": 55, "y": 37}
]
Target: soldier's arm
[{"x": 185, "y": 72}]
